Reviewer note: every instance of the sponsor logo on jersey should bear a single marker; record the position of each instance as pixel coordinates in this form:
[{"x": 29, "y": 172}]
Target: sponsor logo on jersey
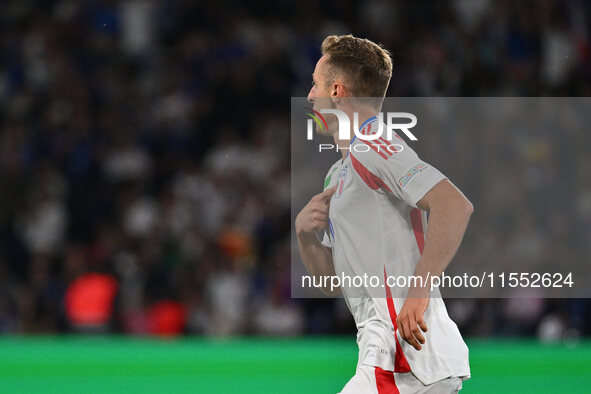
[{"x": 410, "y": 173}]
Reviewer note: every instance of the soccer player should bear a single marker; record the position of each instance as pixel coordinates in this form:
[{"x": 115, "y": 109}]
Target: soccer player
[{"x": 372, "y": 213}]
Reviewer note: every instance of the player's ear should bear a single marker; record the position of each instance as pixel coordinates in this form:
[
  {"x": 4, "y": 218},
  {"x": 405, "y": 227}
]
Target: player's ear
[{"x": 337, "y": 92}]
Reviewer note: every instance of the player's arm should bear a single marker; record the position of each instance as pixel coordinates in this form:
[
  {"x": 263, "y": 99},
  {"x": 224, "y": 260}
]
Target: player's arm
[
  {"x": 449, "y": 213},
  {"x": 312, "y": 218}
]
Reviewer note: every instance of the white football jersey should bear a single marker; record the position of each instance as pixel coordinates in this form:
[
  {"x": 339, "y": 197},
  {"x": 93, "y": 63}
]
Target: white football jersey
[{"x": 376, "y": 229}]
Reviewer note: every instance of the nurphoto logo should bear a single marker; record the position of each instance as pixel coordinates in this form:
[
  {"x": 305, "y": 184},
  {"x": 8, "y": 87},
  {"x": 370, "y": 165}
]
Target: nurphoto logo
[{"x": 345, "y": 124}]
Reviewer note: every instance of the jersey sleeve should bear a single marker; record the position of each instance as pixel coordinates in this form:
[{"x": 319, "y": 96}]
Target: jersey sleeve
[{"x": 400, "y": 172}]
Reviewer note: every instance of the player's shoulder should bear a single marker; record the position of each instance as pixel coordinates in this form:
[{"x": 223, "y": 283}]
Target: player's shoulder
[{"x": 380, "y": 152}]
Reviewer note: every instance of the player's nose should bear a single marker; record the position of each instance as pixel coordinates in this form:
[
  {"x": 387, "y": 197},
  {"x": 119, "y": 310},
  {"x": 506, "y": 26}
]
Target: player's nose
[{"x": 311, "y": 96}]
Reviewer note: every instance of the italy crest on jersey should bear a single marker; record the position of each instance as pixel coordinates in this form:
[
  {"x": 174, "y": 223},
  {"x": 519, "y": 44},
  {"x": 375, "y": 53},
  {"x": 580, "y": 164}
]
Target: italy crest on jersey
[{"x": 341, "y": 182}]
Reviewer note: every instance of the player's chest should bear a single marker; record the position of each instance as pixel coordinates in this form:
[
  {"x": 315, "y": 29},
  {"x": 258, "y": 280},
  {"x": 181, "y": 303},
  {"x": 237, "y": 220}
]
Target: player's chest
[{"x": 351, "y": 193}]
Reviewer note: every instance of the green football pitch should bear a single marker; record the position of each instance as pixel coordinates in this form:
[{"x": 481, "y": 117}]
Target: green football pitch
[{"x": 317, "y": 365}]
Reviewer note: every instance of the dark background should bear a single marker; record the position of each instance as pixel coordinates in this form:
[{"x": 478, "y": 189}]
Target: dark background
[{"x": 149, "y": 141}]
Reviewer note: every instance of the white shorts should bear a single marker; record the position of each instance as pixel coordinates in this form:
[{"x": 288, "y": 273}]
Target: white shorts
[{"x": 375, "y": 380}]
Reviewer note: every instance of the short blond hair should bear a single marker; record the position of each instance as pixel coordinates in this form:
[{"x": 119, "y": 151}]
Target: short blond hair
[{"x": 365, "y": 65}]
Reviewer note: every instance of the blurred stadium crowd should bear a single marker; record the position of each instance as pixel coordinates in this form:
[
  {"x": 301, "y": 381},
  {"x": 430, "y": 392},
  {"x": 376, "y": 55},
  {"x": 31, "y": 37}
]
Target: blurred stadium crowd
[{"x": 144, "y": 156}]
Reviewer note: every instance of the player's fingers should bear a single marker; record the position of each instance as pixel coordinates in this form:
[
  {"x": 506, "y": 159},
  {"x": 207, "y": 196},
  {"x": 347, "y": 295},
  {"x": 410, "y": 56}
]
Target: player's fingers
[
  {"x": 411, "y": 326},
  {"x": 417, "y": 333},
  {"x": 408, "y": 336},
  {"x": 321, "y": 207},
  {"x": 320, "y": 216},
  {"x": 327, "y": 194},
  {"x": 422, "y": 323},
  {"x": 319, "y": 224},
  {"x": 414, "y": 343},
  {"x": 319, "y": 220}
]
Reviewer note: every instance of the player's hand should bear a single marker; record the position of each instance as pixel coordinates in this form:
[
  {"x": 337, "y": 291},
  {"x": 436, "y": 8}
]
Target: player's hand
[
  {"x": 410, "y": 319},
  {"x": 314, "y": 216}
]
